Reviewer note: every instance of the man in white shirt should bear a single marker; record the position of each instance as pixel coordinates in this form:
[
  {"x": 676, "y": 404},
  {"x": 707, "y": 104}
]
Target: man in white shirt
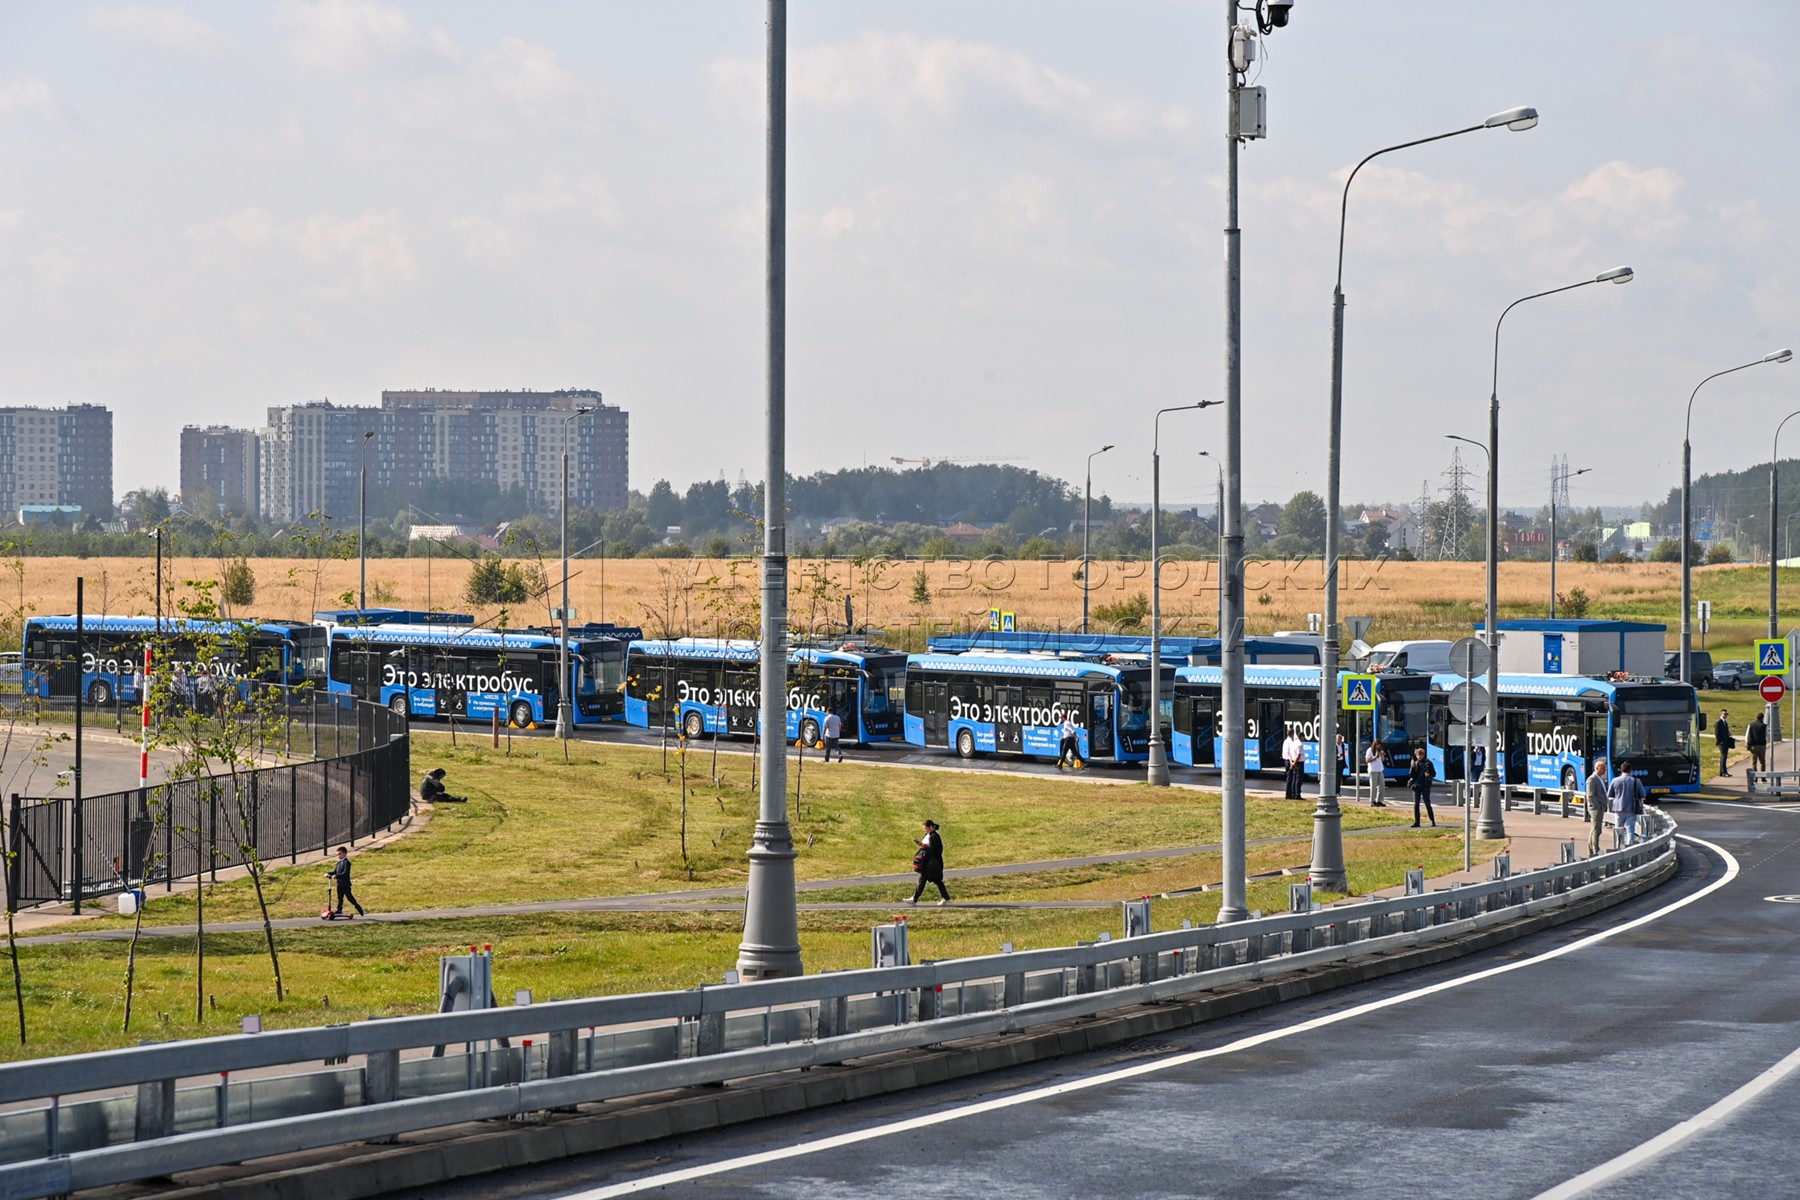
[
  {"x": 1069, "y": 752},
  {"x": 1375, "y": 760},
  {"x": 834, "y": 728},
  {"x": 1293, "y": 755}
]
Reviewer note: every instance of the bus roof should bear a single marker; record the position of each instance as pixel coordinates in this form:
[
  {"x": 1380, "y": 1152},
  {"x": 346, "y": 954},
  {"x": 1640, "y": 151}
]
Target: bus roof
[
  {"x": 442, "y": 635},
  {"x": 1292, "y": 676},
  {"x": 1069, "y": 642},
  {"x": 744, "y": 650},
  {"x": 99, "y": 623},
  {"x": 1569, "y": 685},
  {"x": 1015, "y": 664},
  {"x": 390, "y": 616}
]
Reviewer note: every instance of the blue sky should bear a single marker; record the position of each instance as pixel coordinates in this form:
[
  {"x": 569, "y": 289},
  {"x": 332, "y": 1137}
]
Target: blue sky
[{"x": 1004, "y": 224}]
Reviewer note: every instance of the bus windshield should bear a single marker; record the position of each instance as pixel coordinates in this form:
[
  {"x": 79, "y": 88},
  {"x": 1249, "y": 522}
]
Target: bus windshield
[
  {"x": 1405, "y": 718},
  {"x": 600, "y": 671},
  {"x": 1654, "y": 728},
  {"x": 1134, "y": 703},
  {"x": 887, "y": 687}
]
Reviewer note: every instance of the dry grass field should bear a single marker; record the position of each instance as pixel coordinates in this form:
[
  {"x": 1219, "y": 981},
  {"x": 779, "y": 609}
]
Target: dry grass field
[{"x": 708, "y": 596}]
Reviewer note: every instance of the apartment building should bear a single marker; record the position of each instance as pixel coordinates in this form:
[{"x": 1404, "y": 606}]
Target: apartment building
[
  {"x": 56, "y": 456},
  {"x": 224, "y": 462}
]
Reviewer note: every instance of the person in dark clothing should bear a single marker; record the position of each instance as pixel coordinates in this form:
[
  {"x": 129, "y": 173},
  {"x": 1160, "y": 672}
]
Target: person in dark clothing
[
  {"x": 1421, "y": 777},
  {"x": 340, "y": 871},
  {"x": 432, "y": 790},
  {"x": 1756, "y": 740},
  {"x": 1724, "y": 741},
  {"x": 931, "y": 867}
]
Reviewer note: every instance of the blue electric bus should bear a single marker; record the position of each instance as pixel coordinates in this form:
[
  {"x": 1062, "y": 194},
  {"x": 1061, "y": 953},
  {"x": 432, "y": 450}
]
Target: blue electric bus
[
  {"x": 1098, "y": 647},
  {"x": 112, "y": 654},
  {"x": 713, "y": 685},
  {"x": 442, "y": 670},
  {"x": 1552, "y": 726},
  {"x": 999, "y": 703},
  {"x": 1282, "y": 699}
]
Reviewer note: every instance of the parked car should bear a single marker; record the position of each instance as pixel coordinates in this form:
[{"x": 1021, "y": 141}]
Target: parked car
[
  {"x": 12, "y": 667},
  {"x": 1734, "y": 674},
  {"x": 1700, "y": 668}
]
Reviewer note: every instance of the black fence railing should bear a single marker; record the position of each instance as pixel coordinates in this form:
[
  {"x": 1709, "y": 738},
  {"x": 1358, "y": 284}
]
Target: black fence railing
[{"x": 358, "y": 784}]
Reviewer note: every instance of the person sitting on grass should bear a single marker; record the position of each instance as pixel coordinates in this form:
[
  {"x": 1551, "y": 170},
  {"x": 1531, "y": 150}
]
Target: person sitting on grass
[{"x": 432, "y": 791}]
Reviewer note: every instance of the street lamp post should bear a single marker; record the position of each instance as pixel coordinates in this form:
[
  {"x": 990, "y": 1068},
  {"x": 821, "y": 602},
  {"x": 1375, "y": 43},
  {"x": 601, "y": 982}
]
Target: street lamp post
[
  {"x": 1327, "y": 868},
  {"x": 1687, "y": 517},
  {"x": 1493, "y": 819},
  {"x": 1553, "y": 545},
  {"x": 1774, "y": 717},
  {"x": 565, "y": 715},
  {"x": 1157, "y": 774},
  {"x": 1087, "y": 506},
  {"x": 362, "y": 523}
]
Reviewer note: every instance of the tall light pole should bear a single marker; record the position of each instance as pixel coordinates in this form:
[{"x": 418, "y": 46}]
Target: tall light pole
[
  {"x": 1493, "y": 818},
  {"x": 362, "y": 523},
  {"x": 771, "y": 945},
  {"x": 1087, "y": 506},
  {"x": 1553, "y": 545},
  {"x": 1327, "y": 870},
  {"x": 565, "y": 716},
  {"x": 1157, "y": 774},
  {"x": 1687, "y": 518},
  {"x": 1774, "y": 715}
]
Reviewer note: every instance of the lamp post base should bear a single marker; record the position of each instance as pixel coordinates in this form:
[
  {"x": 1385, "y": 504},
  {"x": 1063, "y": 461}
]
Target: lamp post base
[
  {"x": 1327, "y": 871},
  {"x": 1157, "y": 772},
  {"x": 564, "y": 721},
  {"x": 1491, "y": 825},
  {"x": 771, "y": 945}
]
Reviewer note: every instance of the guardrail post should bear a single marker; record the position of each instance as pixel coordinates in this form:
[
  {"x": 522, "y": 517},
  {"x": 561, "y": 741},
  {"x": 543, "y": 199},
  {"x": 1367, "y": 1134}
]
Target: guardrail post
[
  {"x": 833, "y": 1019},
  {"x": 381, "y": 1077},
  {"x": 1537, "y": 801},
  {"x": 1013, "y": 991},
  {"x": 153, "y": 1116},
  {"x": 709, "y": 1033},
  {"x": 559, "y": 1059}
]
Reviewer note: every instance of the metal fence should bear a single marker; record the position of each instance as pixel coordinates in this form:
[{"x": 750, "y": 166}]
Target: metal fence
[
  {"x": 133, "y": 1120},
  {"x": 359, "y": 782}
]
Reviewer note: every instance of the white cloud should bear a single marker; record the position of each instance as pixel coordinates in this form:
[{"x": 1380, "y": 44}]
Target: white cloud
[
  {"x": 838, "y": 220},
  {"x": 11, "y": 220},
  {"x": 1642, "y": 199},
  {"x": 349, "y": 35},
  {"x": 165, "y": 28},
  {"x": 374, "y": 247},
  {"x": 26, "y": 95}
]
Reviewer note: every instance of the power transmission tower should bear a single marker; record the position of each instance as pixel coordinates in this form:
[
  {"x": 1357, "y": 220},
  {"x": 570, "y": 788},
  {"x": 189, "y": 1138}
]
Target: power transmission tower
[
  {"x": 1421, "y": 521},
  {"x": 1456, "y": 508}
]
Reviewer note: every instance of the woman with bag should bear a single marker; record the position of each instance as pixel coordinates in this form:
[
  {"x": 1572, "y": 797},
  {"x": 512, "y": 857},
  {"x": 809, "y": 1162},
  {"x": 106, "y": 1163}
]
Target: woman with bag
[
  {"x": 929, "y": 863},
  {"x": 1421, "y": 777}
]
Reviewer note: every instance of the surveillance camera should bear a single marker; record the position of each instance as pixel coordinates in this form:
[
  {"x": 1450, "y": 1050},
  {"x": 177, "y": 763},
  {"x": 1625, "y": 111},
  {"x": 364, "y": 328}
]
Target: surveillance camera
[{"x": 1279, "y": 11}]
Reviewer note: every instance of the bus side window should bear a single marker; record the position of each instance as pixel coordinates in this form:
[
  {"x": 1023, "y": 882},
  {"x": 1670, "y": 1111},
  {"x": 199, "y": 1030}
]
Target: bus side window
[{"x": 915, "y": 695}]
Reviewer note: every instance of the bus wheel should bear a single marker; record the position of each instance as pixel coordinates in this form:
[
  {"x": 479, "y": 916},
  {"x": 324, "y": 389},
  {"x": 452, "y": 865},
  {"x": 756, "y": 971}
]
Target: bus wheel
[
  {"x": 693, "y": 725},
  {"x": 809, "y": 732},
  {"x": 399, "y": 706},
  {"x": 1569, "y": 781},
  {"x": 100, "y": 693},
  {"x": 521, "y": 714},
  {"x": 965, "y": 744}
]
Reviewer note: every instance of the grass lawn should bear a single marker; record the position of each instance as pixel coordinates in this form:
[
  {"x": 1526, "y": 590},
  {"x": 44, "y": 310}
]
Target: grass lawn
[{"x": 609, "y": 823}]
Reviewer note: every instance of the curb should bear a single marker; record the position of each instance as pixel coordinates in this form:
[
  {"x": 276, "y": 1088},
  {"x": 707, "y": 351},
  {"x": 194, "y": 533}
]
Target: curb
[{"x": 460, "y": 1152}]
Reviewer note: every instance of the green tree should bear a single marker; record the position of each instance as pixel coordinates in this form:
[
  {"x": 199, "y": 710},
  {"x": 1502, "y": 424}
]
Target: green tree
[
  {"x": 1667, "y": 550},
  {"x": 1125, "y": 615},
  {"x": 1586, "y": 551},
  {"x": 1303, "y": 519},
  {"x": 1719, "y": 554},
  {"x": 238, "y": 587},
  {"x": 1375, "y": 539}
]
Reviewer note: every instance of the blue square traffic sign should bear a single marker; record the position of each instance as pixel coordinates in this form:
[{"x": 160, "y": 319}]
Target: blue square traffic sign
[{"x": 1771, "y": 656}]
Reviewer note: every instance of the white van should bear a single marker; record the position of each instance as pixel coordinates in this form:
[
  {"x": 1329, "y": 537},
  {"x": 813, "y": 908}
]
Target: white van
[{"x": 1420, "y": 657}]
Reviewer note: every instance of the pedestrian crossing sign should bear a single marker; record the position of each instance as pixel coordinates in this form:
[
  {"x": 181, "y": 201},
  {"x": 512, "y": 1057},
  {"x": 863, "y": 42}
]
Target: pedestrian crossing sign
[
  {"x": 1771, "y": 656},
  {"x": 1359, "y": 693}
]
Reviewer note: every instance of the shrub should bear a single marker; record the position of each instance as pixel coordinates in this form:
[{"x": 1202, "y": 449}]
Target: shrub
[{"x": 1124, "y": 615}]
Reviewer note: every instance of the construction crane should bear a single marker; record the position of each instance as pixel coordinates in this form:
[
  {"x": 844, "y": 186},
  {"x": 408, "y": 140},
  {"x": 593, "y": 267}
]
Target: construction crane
[{"x": 928, "y": 462}]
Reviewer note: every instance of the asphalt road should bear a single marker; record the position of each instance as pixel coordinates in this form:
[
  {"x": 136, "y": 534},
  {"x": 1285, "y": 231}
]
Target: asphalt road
[{"x": 1506, "y": 1074}]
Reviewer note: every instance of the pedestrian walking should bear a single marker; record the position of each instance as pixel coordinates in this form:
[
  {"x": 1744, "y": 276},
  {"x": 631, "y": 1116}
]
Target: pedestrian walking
[
  {"x": 1599, "y": 803},
  {"x": 1068, "y": 754},
  {"x": 1724, "y": 741},
  {"x": 1628, "y": 802},
  {"x": 834, "y": 728},
  {"x": 1343, "y": 764},
  {"x": 340, "y": 872},
  {"x": 1421, "y": 777},
  {"x": 1756, "y": 740},
  {"x": 1375, "y": 760},
  {"x": 1293, "y": 758},
  {"x": 929, "y": 863}
]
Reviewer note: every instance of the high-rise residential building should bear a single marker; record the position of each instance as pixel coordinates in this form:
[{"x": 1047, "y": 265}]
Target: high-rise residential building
[
  {"x": 311, "y": 453},
  {"x": 57, "y": 456},
  {"x": 222, "y": 461}
]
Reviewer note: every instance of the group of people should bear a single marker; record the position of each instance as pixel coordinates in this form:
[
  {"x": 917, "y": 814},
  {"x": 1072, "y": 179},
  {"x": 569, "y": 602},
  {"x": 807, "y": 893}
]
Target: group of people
[
  {"x": 1756, "y": 741},
  {"x": 1622, "y": 795}
]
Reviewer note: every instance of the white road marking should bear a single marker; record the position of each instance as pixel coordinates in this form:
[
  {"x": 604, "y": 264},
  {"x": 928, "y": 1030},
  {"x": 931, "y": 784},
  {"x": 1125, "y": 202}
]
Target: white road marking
[
  {"x": 838, "y": 1141},
  {"x": 1708, "y": 1119}
]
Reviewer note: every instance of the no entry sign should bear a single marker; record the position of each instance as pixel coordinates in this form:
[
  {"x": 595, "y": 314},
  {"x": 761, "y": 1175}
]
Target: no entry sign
[{"x": 1772, "y": 689}]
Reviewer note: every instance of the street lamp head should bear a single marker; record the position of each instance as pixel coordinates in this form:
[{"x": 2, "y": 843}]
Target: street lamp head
[
  {"x": 1778, "y": 356},
  {"x": 1209, "y": 403},
  {"x": 1616, "y": 275},
  {"x": 1514, "y": 119},
  {"x": 1103, "y": 450}
]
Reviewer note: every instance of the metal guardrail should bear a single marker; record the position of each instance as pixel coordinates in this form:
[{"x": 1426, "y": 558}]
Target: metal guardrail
[
  {"x": 639, "y": 1044},
  {"x": 1772, "y": 783}
]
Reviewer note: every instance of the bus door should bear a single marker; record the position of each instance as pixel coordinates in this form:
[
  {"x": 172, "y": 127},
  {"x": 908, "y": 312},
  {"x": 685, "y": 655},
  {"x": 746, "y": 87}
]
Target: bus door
[
  {"x": 1100, "y": 722},
  {"x": 1008, "y": 703},
  {"x": 742, "y": 698},
  {"x": 1514, "y": 744},
  {"x": 1271, "y": 727},
  {"x": 1203, "y": 720},
  {"x": 840, "y": 695},
  {"x": 936, "y": 714},
  {"x": 1597, "y": 750}
]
